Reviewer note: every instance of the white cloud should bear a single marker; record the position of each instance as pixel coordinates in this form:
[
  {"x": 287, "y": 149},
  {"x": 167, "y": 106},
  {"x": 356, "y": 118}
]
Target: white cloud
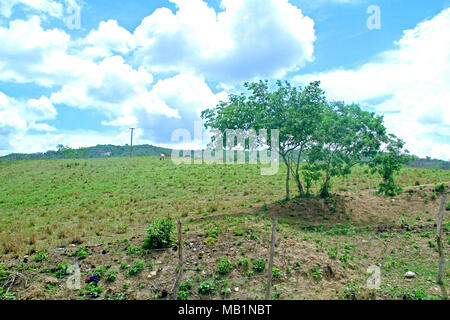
[
  {"x": 108, "y": 39},
  {"x": 50, "y": 7},
  {"x": 31, "y": 54},
  {"x": 18, "y": 117},
  {"x": 248, "y": 39},
  {"x": 409, "y": 84}
]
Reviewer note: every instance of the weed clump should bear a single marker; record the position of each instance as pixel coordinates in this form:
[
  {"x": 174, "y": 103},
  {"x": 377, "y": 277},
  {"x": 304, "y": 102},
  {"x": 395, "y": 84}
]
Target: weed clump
[{"x": 159, "y": 234}]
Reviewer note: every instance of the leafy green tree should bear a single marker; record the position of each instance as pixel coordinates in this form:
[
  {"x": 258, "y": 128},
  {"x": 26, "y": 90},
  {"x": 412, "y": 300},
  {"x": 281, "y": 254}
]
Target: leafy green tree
[
  {"x": 388, "y": 163},
  {"x": 70, "y": 153},
  {"x": 295, "y": 112},
  {"x": 347, "y": 136}
]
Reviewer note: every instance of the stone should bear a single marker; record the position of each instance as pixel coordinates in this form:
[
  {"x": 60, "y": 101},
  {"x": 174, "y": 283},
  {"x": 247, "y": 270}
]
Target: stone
[
  {"x": 410, "y": 274},
  {"x": 51, "y": 280}
]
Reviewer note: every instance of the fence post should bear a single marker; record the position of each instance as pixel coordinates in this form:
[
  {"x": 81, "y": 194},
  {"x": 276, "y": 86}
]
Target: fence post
[
  {"x": 272, "y": 249},
  {"x": 439, "y": 245},
  {"x": 180, "y": 262}
]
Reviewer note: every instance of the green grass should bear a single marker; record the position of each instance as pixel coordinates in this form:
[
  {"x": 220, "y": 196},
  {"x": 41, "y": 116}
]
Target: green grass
[{"x": 47, "y": 203}]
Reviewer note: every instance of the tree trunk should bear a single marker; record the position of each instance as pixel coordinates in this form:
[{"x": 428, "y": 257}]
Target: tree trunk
[
  {"x": 324, "y": 192},
  {"x": 297, "y": 174},
  {"x": 287, "y": 175},
  {"x": 287, "y": 182}
]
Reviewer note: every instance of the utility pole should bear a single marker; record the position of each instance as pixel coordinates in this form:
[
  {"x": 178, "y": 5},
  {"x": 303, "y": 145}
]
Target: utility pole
[{"x": 131, "y": 150}]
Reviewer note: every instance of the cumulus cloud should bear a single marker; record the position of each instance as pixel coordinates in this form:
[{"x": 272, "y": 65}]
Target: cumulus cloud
[
  {"x": 30, "y": 54},
  {"x": 18, "y": 117},
  {"x": 247, "y": 39},
  {"x": 409, "y": 84},
  {"x": 50, "y": 7},
  {"x": 108, "y": 39}
]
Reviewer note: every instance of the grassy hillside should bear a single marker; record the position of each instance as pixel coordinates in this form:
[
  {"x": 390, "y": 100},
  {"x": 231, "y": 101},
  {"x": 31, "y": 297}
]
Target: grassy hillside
[
  {"x": 104, "y": 206},
  {"x": 99, "y": 151}
]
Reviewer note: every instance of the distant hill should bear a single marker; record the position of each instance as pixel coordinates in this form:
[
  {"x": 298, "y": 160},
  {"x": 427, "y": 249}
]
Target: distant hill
[
  {"x": 429, "y": 163},
  {"x": 99, "y": 151}
]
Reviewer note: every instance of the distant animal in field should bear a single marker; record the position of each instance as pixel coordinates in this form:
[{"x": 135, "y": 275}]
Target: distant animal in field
[{"x": 163, "y": 156}]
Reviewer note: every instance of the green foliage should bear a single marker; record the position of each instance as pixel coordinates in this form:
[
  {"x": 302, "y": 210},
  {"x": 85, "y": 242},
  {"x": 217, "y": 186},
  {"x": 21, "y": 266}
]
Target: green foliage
[
  {"x": 277, "y": 273},
  {"x": 82, "y": 253},
  {"x": 244, "y": 263},
  {"x": 259, "y": 265},
  {"x": 137, "y": 267},
  {"x": 447, "y": 206},
  {"x": 111, "y": 275},
  {"x": 317, "y": 273},
  {"x": 332, "y": 137},
  {"x": 41, "y": 256},
  {"x": 387, "y": 164},
  {"x": 3, "y": 272},
  {"x": 92, "y": 290},
  {"x": 224, "y": 266},
  {"x": 134, "y": 249},
  {"x": 207, "y": 287},
  {"x": 99, "y": 272},
  {"x": 185, "y": 289},
  {"x": 62, "y": 270},
  {"x": 182, "y": 295},
  {"x": 440, "y": 187},
  {"x": 159, "y": 234}
]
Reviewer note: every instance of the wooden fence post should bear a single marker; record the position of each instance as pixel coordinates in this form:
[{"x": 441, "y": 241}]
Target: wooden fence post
[
  {"x": 180, "y": 262},
  {"x": 272, "y": 249},
  {"x": 440, "y": 249}
]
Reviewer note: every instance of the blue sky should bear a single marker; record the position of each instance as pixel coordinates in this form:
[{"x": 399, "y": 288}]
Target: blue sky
[{"x": 155, "y": 65}]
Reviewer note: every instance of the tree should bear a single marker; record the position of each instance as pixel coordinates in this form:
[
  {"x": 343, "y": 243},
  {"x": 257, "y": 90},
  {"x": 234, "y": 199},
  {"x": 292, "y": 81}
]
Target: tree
[
  {"x": 388, "y": 163},
  {"x": 347, "y": 136},
  {"x": 70, "y": 153},
  {"x": 295, "y": 112}
]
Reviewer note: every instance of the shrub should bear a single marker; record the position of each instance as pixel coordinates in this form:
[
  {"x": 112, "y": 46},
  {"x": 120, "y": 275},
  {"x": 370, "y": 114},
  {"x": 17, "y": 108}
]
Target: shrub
[
  {"x": 41, "y": 256},
  {"x": 182, "y": 295},
  {"x": 440, "y": 187},
  {"x": 225, "y": 266},
  {"x": 137, "y": 267},
  {"x": 447, "y": 206},
  {"x": 111, "y": 275},
  {"x": 259, "y": 265},
  {"x": 99, "y": 272},
  {"x": 134, "y": 249},
  {"x": 317, "y": 273},
  {"x": 82, "y": 253},
  {"x": 207, "y": 287},
  {"x": 92, "y": 289},
  {"x": 276, "y": 273},
  {"x": 159, "y": 234}
]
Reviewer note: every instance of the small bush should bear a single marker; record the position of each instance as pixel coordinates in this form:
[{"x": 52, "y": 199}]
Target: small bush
[
  {"x": 259, "y": 265},
  {"x": 111, "y": 275},
  {"x": 225, "y": 266},
  {"x": 92, "y": 290},
  {"x": 99, "y": 272},
  {"x": 82, "y": 253},
  {"x": 134, "y": 249},
  {"x": 137, "y": 267},
  {"x": 182, "y": 295},
  {"x": 159, "y": 234},
  {"x": 207, "y": 287},
  {"x": 440, "y": 187},
  {"x": 276, "y": 273},
  {"x": 41, "y": 256},
  {"x": 447, "y": 206}
]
